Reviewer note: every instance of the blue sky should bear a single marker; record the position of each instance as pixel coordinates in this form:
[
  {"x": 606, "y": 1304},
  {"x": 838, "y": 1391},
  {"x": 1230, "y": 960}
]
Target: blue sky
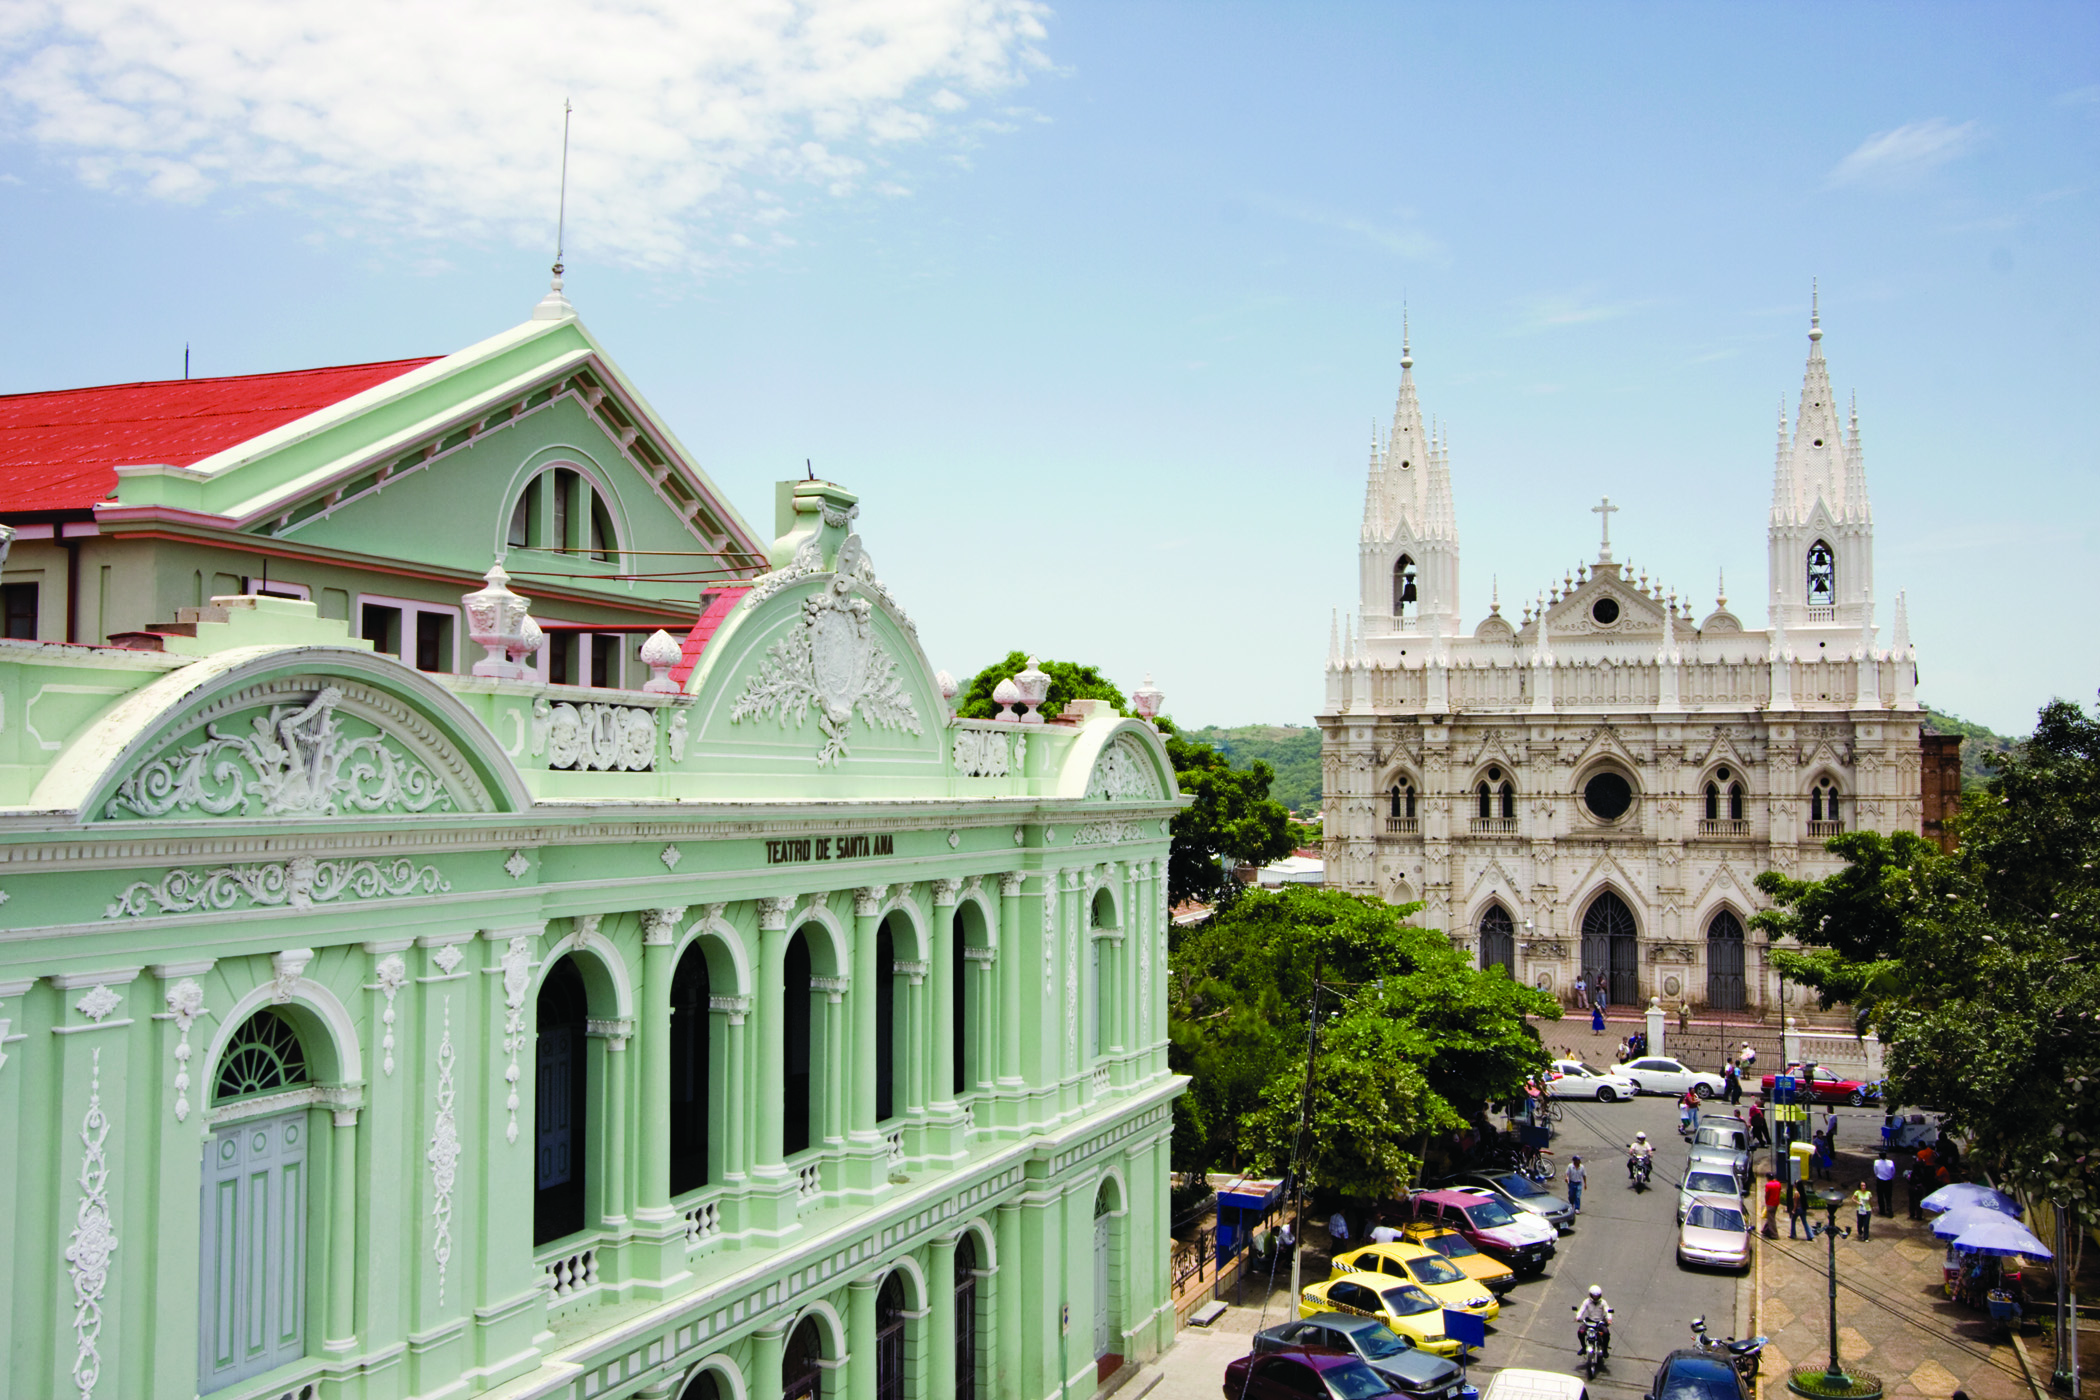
[{"x": 1096, "y": 304}]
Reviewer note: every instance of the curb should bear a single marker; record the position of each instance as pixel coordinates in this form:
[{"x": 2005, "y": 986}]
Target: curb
[
  {"x": 1757, "y": 1307},
  {"x": 2027, "y": 1367}
]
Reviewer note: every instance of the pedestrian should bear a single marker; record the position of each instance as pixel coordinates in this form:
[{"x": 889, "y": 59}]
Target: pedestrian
[
  {"x": 1863, "y": 1210},
  {"x": 1582, "y": 992},
  {"x": 1338, "y": 1230},
  {"x": 1597, "y": 1015},
  {"x": 1384, "y": 1233},
  {"x": 1797, "y": 1210},
  {"x": 1824, "y": 1162},
  {"x": 1913, "y": 1177},
  {"x": 1830, "y": 1127},
  {"x": 1760, "y": 1132},
  {"x": 1773, "y": 1194},
  {"x": 1885, "y": 1183},
  {"x": 1688, "y": 1113},
  {"x": 1624, "y": 1053},
  {"x": 1749, "y": 1055},
  {"x": 1733, "y": 1079},
  {"x": 1602, "y": 1001},
  {"x": 1576, "y": 1177},
  {"x": 1684, "y": 1016}
]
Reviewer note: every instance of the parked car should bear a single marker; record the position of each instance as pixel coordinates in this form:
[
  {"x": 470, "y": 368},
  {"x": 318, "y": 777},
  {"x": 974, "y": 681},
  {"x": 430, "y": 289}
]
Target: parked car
[
  {"x": 1708, "y": 1178},
  {"x": 1409, "y": 1370},
  {"x": 1688, "y": 1374},
  {"x": 1402, "y": 1307},
  {"x": 1726, "y": 1138},
  {"x": 1659, "y": 1074},
  {"x": 1432, "y": 1272},
  {"x": 1517, "y": 1237},
  {"x": 1822, "y": 1086},
  {"x": 1572, "y": 1079},
  {"x": 1498, "y": 1276},
  {"x": 1522, "y": 1192},
  {"x": 1302, "y": 1375},
  {"x": 1515, "y": 1383},
  {"x": 1714, "y": 1231}
]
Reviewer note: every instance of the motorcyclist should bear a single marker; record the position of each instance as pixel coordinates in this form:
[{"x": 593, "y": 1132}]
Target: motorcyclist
[
  {"x": 1639, "y": 1153},
  {"x": 1594, "y": 1310}
]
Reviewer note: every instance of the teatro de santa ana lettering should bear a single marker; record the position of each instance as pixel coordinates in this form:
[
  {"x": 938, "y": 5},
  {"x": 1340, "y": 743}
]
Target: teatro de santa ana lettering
[{"x": 420, "y": 978}]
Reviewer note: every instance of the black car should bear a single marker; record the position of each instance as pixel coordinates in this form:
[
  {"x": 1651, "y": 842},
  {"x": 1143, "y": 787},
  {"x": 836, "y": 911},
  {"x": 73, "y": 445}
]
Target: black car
[
  {"x": 1691, "y": 1374},
  {"x": 1409, "y": 1370}
]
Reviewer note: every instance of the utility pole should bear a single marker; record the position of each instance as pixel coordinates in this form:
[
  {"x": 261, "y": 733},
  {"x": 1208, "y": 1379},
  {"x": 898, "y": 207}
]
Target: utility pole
[{"x": 1312, "y": 1034}]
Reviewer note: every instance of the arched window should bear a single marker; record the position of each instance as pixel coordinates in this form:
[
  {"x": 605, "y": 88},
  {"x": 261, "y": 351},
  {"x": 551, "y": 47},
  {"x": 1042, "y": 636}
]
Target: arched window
[
  {"x": 960, "y": 981},
  {"x": 1822, "y": 575},
  {"x": 1823, "y": 802},
  {"x": 966, "y": 1317},
  {"x": 1498, "y": 940},
  {"x": 889, "y": 1338},
  {"x": 253, "y": 1241},
  {"x": 1724, "y": 962},
  {"x": 886, "y": 1096},
  {"x": 1509, "y": 802},
  {"x": 1609, "y": 947},
  {"x": 1107, "y": 1359},
  {"x": 1403, "y": 798},
  {"x": 1486, "y": 795},
  {"x": 702, "y": 1387},
  {"x": 1099, "y": 973},
  {"x": 1713, "y": 802},
  {"x": 1735, "y": 802},
  {"x": 795, "y": 1134},
  {"x": 560, "y": 1081},
  {"x": 691, "y": 1032},
  {"x": 1403, "y": 584},
  {"x": 562, "y": 509},
  {"x": 1724, "y": 797},
  {"x": 801, "y": 1363}
]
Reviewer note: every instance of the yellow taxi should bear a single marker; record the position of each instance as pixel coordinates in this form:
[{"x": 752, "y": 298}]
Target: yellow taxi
[
  {"x": 1482, "y": 1268},
  {"x": 1424, "y": 1267},
  {"x": 1406, "y": 1310}
]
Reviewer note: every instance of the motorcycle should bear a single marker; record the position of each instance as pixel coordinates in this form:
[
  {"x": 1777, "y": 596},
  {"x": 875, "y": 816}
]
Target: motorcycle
[
  {"x": 1596, "y": 1341},
  {"x": 1637, "y": 1178},
  {"x": 1745, "y": 1355}
]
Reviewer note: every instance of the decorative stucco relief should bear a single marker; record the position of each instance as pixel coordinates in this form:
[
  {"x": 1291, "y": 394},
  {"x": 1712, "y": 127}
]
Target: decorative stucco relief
[
  {"x": 1107, "y": 833},
  {"x": 393, "y": 976},
  {"x": 833, "y": 662},
  {"x": 296, "y": 761},
  {"x": 185, "y": 1004},
  {"x": 298, "y": 883},
  {"x": 443, "y": 1156},
  {"x": 94, "y": 1238},
  {"x": 594, "y": 738},
  {"x": 1123, "y": 773},
  {"x": 517, "y": 980},
  {"x": 981, "y": 754}
]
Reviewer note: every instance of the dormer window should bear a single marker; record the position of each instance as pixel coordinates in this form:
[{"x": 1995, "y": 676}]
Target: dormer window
[
  {"x": 1822, "y": 575},
  {"x": 563, "y": 511}
]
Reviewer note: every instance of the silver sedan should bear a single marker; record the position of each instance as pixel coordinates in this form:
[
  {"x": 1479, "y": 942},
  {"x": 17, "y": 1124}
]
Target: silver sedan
[{"x": 1715, "y": 1233}]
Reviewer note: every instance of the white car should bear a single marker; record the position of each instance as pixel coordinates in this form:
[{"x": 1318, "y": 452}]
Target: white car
[
  {"x": 1658, "y": 1074},
  {"x": 1572, "y": 1079}
]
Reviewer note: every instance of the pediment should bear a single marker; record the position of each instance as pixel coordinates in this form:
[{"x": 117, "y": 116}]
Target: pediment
[
  {"x": 1604, "y": 742},
  {"x": 1723, "y": 748},
  {"x": 1494, "y": 878},
  {"x": 1607, "y": 869},
  {"x": 1577, "y": 615},
  {"x": 1494, "y": 748},
  {"x": 1726, "y": 877}
]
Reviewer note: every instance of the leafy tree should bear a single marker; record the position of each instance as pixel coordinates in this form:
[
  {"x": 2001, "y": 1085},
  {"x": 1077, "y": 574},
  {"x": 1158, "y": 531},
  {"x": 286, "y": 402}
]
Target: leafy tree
[
  {"x": 1978, "y": 968},
  {"x": 1412, "y": 1038},
  {"x": 1231, "y": 816}
]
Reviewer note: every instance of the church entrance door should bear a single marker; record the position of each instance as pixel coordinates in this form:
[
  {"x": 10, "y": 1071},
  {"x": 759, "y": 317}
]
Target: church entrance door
[
  {"x": 1609, "y": 945},
  {"x": 1724, "y": 962}
]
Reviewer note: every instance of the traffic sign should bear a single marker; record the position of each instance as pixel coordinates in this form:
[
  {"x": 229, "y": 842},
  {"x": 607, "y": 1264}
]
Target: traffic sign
[{"x": 1783, "y": 1087}]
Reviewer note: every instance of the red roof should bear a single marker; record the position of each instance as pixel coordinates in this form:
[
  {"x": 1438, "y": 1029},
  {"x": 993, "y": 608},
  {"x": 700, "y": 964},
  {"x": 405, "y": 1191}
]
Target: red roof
[
  {"x": 704, "y": 630},
  {"x": 60, "y": 450}
]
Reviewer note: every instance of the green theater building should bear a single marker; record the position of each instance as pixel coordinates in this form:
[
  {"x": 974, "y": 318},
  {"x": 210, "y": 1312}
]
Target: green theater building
[{"x": 417, "y": 982}]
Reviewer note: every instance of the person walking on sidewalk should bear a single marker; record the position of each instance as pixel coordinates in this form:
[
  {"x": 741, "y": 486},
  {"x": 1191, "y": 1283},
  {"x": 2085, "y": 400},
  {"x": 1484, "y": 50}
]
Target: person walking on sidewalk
[
  {"x": 1575, "y": 1177},
  {"x": 1914, "y": 1188},
  {"x": 1733, "y": 1080},
  {"x": 1830, "y": 1127},
  {"x": 1749, "y": 1055},
  {"x": 1797, "y": 1209},
  {"x": 1885, "y": 1183},
  {"x": 1825, "y": 1161},
  {"x": 1773, "y": 1193},
  {"x": 1863, "y": 1211},
  {"x": 1760, "y": 1132},
  {"x": 1688, "y": 1113}
]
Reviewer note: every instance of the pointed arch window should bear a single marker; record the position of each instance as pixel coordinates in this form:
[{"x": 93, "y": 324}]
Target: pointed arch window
[
  {"x": 1724, "y": 796},
  {"x": 1823, "y": 812},
  {"x": 1724, "y": 962},
  {"x": 1822, "y": 575},
  {"x": 1404, "y": 589},
  {"x": 1509, "y": 801},
  {"x": 1498, "y": 940},
  {"x": 1486, "y": 795},
  {"x": 1403, "y": 799}
]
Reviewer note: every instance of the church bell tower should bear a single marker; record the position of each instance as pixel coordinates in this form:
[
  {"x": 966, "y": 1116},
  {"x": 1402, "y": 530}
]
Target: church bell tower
[
  {"x": 1821, "y": 537},
  {"x": 1409, "y": 544}
]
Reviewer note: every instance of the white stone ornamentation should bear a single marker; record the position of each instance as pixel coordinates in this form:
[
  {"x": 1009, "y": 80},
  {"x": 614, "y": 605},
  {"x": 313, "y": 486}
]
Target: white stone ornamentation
[
  {"x": 500, "y": 621},
  {"x": 286, "y": 969},
  {"x": 1106, "y": 833},
  {"x": 1146, "y": 699},
  {"x": 298, "y": 883},
  {"x": 831, "y": 661},
  {"x": 94, "y": 1239},
  {"x": 98, "y": 1001},
  {"x": 675, "y": 737},
  {"x": 295, "y": 762},
  {"x": 981, "y": 753},
  {"x": 1034, "y": 687},
  {"x": 393, "y": 976},
  {"x": 670, "y": 857},
  {"x": 1123, "y": 773},
  {"x": 517, "y": 979},
  {"x": 594, "y": 738},
  {"x": 517, "y": 865},
  {"x": 443, "y": 1156},
  {"x": 1053, "y": 899},
  {"x": 185, "y": 1004},
  {"x": 660, "y": 653}
]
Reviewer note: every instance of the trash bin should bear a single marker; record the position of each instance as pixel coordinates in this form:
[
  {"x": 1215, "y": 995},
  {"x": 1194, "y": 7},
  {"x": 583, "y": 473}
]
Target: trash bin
[{"x": 1803, "y": 1156}]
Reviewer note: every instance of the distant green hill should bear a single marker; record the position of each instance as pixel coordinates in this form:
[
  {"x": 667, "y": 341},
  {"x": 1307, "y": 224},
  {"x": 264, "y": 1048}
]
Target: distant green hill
[
  {"x": 1976, "y": 741},
  {"x": 1292, "y": 750}
]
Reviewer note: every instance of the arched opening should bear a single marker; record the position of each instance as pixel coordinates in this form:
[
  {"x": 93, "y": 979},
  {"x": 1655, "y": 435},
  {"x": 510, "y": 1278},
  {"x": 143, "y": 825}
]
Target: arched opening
[
  {"x": 966, "y": 1317},
  {"x": 1724, "y": 796},
  {"x": 1724, "y": 962},
  {"x": 801, "y": 1363},
  {"x": 562, "y": 509},
  {"x": 254, "y": 1227},
  {"x": 886, "y": 1096},
  {"x": 1101, "y": 973},
  {"x": 1107, "y": 1359},
  {"x": 1610, "y": 946},
  {"x": 889, "y": 1338},
  {"x": 796, "y": 1007},
  {"x": 1404, "y": 592},
  {"x": 1735, "y": 802},
  {"x": 1823, "y": 808},
  {"x": 691, "y": 1062},
  {"x": 705, "y": 1386},
  {"x": 1509, "y": 802},
  {"x": 1822, "y": 576},
  {"x": 1498, "y": 940},
  {"x": 559, "y": 1110},
  {"x": 1486, "y": 796},
  {"x": 1403, "y": 799}
]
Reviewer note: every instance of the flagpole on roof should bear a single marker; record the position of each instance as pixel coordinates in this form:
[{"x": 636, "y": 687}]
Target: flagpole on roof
[{"x": 554, "y": 306}]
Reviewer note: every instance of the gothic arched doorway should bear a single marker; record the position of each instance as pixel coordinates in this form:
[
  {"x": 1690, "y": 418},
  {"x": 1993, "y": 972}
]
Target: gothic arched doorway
[
  {"x": 1724, "y": 962},
  {"x": 1498, "y": 940},
  {"x": 1610, "y": 947}
]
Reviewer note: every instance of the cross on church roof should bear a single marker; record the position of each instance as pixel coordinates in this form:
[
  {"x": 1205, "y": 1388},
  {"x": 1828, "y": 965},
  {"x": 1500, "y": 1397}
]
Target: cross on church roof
[{"x": 1604, "y": 512}]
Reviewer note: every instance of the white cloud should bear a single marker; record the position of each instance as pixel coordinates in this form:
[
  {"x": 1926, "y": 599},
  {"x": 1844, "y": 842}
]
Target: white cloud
[
  {"x": 694, "y": 121},
  {"x": 1580, "y": 307},
  {"x": 1904, "y": 154}
]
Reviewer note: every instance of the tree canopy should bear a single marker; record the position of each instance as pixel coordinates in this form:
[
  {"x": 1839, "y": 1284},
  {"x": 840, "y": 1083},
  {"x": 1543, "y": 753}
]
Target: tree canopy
[
  {"x": 1232, "y": 815},
  {"x": 1413, "y": 1039},
  {"x": 1978, "y": 968}
]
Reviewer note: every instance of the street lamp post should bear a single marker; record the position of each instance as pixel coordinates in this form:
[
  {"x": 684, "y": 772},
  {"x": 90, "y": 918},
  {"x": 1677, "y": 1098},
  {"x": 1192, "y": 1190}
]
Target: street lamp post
[{"x": 1834, "y": 1377}]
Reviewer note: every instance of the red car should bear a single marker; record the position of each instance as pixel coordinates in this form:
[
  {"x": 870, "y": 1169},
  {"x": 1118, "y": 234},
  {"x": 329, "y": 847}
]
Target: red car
[
  {"x": 1302, "y": 1375},
  {"x": 1826, "y": 1087}
]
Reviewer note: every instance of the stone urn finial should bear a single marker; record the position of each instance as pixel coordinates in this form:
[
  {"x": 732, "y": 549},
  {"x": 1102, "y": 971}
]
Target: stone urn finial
[
  {"x": 501, "y": 622},
  {"x": 660, "y": 653},
  {"x": 1146, "y": 699},
  {"x": 1006, "y": 695},
  {"x": 1034, "y": 685}
]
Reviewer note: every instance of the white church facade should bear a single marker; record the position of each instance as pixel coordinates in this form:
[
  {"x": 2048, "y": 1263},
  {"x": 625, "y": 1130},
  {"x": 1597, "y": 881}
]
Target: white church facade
[{"x": 1594, "y": 786}]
